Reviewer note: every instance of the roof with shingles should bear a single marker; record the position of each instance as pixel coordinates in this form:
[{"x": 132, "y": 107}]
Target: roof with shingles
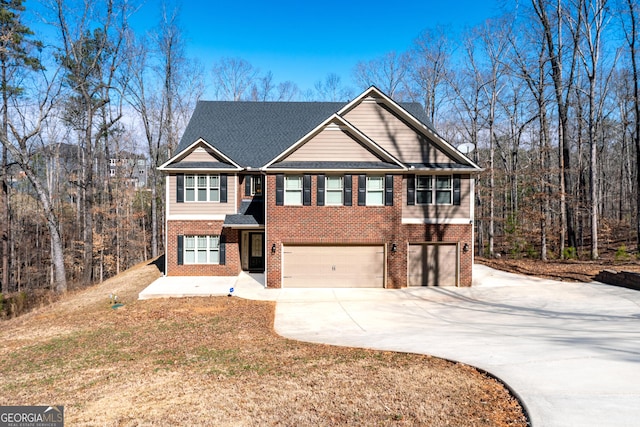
[{"x": 254, "y": 133}]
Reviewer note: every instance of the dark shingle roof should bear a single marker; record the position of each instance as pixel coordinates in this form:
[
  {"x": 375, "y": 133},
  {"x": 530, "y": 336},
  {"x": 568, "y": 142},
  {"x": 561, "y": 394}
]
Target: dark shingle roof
[
  {"x": 251, "y": 213},
  {"x": 254, "y": 133}
]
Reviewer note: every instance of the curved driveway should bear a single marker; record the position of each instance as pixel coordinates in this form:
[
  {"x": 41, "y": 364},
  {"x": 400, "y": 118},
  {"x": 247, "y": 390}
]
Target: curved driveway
[{"x": 570, "y": 350}]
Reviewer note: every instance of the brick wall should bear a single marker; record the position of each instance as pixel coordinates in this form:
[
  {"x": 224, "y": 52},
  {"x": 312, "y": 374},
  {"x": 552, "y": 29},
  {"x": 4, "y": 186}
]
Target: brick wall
[
  {"x": 355, "y": 225},
  {"x": 202, "y": 228}
]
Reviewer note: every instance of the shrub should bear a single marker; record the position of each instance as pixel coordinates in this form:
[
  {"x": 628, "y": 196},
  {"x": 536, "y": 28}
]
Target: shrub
[
  {"x": 570, "y": 253},
  {"x": 622, "y": 254}
]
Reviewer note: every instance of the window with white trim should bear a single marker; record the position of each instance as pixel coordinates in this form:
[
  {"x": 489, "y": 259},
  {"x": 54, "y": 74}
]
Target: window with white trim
[
  {"x": 375, "y": 191},
  {"x": 202, "y": 188},
  {"x": 293, "y": 190},
  {"x": 334, "y": 190},
  {"x": 434, "y": 189},
  {"x": 256, "y": 185},
  {"x": 202, "y": 249}
]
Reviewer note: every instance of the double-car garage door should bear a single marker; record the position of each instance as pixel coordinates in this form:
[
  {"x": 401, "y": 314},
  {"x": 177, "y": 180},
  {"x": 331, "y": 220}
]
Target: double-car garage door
[
  {"x": 306, "y": 266},
  {"x": 333, "y": 266}
]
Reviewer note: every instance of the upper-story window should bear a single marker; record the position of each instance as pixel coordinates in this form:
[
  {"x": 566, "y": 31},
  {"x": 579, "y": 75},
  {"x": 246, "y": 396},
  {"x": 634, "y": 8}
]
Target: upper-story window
[
  {"x": 293, "y": 190},
  {"x": 202, "y": 188},
  {"x": 434, "y": 189},
  {"x": 375, "y": 190},
  {"x": 256, "y": 185},
  {"x": 334, "y": 186}
]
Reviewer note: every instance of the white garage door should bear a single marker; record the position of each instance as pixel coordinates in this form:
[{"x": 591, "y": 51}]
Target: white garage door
[
  {"x": 433, "y": 265},
  {"x": 333, "y": 266}
]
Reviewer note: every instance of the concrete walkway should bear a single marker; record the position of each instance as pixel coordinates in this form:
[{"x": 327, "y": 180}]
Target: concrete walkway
[{"x": 571, "y": 351}]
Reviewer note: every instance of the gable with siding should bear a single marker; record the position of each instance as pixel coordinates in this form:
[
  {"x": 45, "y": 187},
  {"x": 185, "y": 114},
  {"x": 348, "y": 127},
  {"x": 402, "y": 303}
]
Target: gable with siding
[{"x": 394, "y": 134}]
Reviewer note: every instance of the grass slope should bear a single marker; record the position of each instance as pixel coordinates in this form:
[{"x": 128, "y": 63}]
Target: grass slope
[{"x": 217, "y": 361}]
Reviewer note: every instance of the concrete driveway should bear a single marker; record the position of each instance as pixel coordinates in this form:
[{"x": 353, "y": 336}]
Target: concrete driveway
[{"x": 571, "y": 351}]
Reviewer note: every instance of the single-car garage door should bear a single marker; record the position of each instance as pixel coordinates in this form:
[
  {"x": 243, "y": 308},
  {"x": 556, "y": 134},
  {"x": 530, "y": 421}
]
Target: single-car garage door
[
  {"x": 433, "y": 265},
  {"x": 333, "y": 266}
]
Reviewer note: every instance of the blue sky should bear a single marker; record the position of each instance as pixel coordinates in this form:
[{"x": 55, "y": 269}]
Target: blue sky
[{"x": 303, "y": 41}]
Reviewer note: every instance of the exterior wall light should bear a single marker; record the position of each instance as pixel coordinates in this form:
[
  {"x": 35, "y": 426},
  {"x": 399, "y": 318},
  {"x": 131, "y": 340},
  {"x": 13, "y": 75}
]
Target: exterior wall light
[
  {"x": 273, "y": 248},
  {"x": 394, "y": 247},
  {"x": 465, "y": 248}
]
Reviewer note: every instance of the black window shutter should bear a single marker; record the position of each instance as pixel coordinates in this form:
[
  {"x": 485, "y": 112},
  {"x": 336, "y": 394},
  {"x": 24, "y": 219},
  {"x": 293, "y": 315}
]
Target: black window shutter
[
  {"x": 362, "y": 190},
  {"x": 223, "y": 188},
  {"x": 388, "y": 190},
  {"x": 180, "y": 188},
  {"x": 320, "y": 190},
  {"x": 456, "y": 190},
  {"x": 306, "y": 190},
  {"x": 223, "y": 251},
  {"x": 348, "y": 190},
  {"x": 411, "y": 190},
  {"x": 279, "y": 189},
  {"x": 247, "y": 185},
  {"x": 180, "y": 250}
]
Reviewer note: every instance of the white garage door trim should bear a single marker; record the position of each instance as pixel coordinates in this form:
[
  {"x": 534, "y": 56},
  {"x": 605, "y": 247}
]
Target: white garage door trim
[
  {"x": 414, "y": 271},
  {"x": 333, "y": 266}
]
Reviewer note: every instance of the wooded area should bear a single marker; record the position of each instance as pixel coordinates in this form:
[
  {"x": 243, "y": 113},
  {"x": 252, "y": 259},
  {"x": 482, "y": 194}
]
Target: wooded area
[{"x": 546, "y": 92}]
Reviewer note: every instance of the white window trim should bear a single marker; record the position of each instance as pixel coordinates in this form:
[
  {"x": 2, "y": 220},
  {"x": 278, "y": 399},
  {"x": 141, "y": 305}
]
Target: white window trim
[
  {"x": 434, "y": 190},
  {"x": 328, "y": 190},
  {"x": 207, "y": 188},
  {"x": 287, "y": 190},
  {"x": 253, "y": 185},
  {"x": 370, "y": 191},
  {"x": 210, "y": 250}
]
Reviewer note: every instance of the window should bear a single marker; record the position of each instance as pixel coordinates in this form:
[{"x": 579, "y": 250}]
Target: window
[
  {"x": 202, "y": 249},
  {"x": 202, "y": 188},
  {"x": 293, "y": 190},
  {"x": 443, "y": 190},
  {"x": 256, "y": 185},
  {"x": 375, "y": 191},
  {"x": 112, "y": 172},
  {"x": 112, "y": 162},
  {"x": 334, "y": 190}
]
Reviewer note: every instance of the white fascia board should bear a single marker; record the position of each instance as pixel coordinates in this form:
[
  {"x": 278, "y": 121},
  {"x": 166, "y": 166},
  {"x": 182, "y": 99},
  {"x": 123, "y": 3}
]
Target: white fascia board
[
  {"x": 183, "y": 153},
  {"x": 464, "y": 221},
  {"x": 409, "y": 117},
  {"x": 196, "y": 170},
  {"x": 196, "y": 217},
  {"x": 326, "y": 170}
]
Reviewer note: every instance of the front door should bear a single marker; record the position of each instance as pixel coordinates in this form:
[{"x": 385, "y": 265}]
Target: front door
[{"x": 256, "y": 251}]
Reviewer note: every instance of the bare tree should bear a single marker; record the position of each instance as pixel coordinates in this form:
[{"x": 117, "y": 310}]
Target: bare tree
[
  {"x": 287, "y": 91},
  {"x": 15, "y": 57},
  {"x": 429, "y": 69},
  {"x": 387, "y": 73},
  {"x": 25, "y": 127},
  {"x": 331, "y": 89},
  {"x": 631, "y": 33},
  {"x": 91, "y": 54},
  {"x": 594, "y": 19},
  {"x": 233, "y": 77},
  {"x": 563, "y": 86}
]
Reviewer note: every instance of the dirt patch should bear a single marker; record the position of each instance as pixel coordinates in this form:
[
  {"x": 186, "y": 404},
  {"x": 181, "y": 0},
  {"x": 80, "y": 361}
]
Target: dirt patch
[{"x": 218, "y": 361}]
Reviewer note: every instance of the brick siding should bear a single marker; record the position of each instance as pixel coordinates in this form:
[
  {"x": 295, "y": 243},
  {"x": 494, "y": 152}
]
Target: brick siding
[
  {"x": 356, "y": 225},
  {"x": 202, "y": 228}
]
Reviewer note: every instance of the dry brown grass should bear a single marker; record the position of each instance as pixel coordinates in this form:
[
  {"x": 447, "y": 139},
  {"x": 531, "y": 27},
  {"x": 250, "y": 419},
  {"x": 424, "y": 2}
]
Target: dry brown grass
[{"x": 217, "y": 361}]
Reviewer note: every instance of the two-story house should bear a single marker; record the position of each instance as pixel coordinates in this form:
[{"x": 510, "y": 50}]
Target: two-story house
[{"x": 320, "y": 194}]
